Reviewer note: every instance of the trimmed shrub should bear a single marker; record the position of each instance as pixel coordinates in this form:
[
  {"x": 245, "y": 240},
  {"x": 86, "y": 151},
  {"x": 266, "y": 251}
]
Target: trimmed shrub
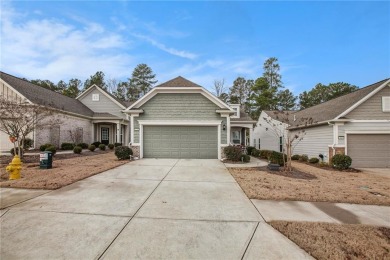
[
  {"x": 314, "y": 160},
  {"x": 323, "y": 164},
  {"x": 295, "y": 157},
  {"x": 277, "y": 158},
  {"x": 341, "y": 161},
  {"x": 255, "y": 153},
  {"x": 83, "y": 145},
  {"x": 117, "y": 144},
  {"x": 77, "y": 149},
  {"x": 28, "y": 143},
  {"x": 111, "y": 146},
  {"x": 96, "y": 144},
  {"x": 233, "y": 153},
  {"x": 249, "y": 149},
  {"x": 91, "y": 147},
  {"x": 102, "y": 147},
  {"x": 303, "y": 158},
  {"x": 265, "y": 154},
  {"x": 52, "y": 149},
  {"x": 123, "y": 152},
  {"x": 245, "y": 158},
  {"x": 44, "y": 146},
  {"x": 67, "y": 146},
  {"x": 13, "y": 152}
]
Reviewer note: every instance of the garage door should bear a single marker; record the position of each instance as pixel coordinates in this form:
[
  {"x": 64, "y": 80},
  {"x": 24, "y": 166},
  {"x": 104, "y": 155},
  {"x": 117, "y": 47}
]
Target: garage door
[
  {"x": 369, "y": 150},
  {"x": 192, "y": 142}
]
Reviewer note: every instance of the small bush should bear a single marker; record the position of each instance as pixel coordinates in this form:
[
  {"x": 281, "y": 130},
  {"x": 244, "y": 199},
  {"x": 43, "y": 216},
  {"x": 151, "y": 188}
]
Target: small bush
[
  {"x": 91, "y": 148},
  {"x": 13, "y": 152},
  {"x": 341, "y": 161},
  {"x": 77, "y": 149},
  {"x": 96, "y": 144},
  {"x": 44, "y": 146},
  {"x": 117, "y": 144},
  {"x": 245, "y": 158},
  {"x": 323, "y": 164},
  {"x": 295, "y": 157},
  {"x": 265, "y": 154},
  {"x": 123, "y": 152},
  {"x": 314, "y": 160},
  {"x": 102, "y": 147},
  {"x": 67, "y": 146},
  {"x": 249, "y": 149},
  {"x": 83, "y": 145},
  {"x": 255, "y": 153},
  {"x": 28, "y": 143},
  {"x": 304, "y": 158},
  {"x": 233, "y": 153},
  {"x": 52, "y": 149},
  {"x": 111, "y": 146},
  {"x": 277, "y": 158}
]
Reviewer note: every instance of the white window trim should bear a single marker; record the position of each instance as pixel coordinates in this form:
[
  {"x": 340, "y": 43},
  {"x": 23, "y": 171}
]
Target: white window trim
[
  {"x": 95, "y": 97},
  {"x": 386, "y": 101}
]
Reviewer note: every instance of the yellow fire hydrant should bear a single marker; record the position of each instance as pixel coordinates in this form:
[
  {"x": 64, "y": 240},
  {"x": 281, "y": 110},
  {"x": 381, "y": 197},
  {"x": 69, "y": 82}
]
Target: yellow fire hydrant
[{"x": 14, "y": 168}]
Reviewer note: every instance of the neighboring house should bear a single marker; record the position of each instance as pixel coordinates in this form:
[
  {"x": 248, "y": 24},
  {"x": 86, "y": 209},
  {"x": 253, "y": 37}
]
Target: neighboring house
[{"x": 357, "y": 124}]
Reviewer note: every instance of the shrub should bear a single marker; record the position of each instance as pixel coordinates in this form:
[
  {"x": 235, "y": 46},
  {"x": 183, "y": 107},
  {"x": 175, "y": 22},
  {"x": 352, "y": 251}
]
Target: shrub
[
  {"x": 111, "y": 146},
  {"x": 303, "y": 158},
  {"x": 249, "y": 149},
  {"x": 52, "y": 149},
  {"x": 245, "y": 158},
  {"x": 233, "y": 153},
  {"x": 314, "y": 160},
  {"x": 28, "y": 143},
  {"x": 123, "y": 152},
  {"x": 295, "y": 157},
  {"x": 341, "y": 161},
  {"x": 323, "y": 164},
  {"x": 117, "y": 144},
  {"x": 255, "y": 153},
  {"x": 277, "y": 158},
  {"x": 83, "y": 145},
  {"x": 13, "y": 152},
  {"x": 96, "y": 144},
  {"x": 265, "y": 154},
  {"x": 44, "y": 146},
  {"x": 91, "y": 148},
  {"x": 77, "y": 149},
  {"x": 102, "y": 147},
  {"x": 67, "y": 146}
]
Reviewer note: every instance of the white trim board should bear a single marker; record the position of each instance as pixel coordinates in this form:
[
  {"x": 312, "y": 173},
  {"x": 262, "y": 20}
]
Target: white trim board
[{"x": 103, "y": 92}]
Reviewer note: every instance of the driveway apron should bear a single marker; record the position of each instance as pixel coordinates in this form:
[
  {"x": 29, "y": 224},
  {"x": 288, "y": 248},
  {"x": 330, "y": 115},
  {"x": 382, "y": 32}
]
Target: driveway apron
[{"x": 146, "y": 209}]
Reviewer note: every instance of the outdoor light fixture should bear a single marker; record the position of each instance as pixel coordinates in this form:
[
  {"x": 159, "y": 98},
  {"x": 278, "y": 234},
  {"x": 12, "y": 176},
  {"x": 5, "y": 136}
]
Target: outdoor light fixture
[{"x": 224, "y": 127}]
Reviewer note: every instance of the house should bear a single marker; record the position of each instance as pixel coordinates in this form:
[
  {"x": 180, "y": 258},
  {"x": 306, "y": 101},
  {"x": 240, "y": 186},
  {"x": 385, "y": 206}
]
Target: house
[
  {"x": 177, "y": 119},
  {"x": 356, "y": 124}
]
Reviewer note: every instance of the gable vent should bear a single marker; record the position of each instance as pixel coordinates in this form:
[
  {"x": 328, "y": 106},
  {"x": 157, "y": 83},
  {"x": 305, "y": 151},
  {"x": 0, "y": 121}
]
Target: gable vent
[{"x": 386, "y": 104}]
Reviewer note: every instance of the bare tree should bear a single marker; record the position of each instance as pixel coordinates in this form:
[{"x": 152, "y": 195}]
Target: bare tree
[
  {"x": 19, "y": 118},
  {"x": 279, "y": 127},
  {"x": 219, "y": 87},
  {"x": 76, "y": 135},
  {"x": 112, "y": 85}
]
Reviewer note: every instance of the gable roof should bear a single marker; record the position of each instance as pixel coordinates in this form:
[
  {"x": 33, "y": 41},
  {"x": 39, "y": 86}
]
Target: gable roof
[
  {"x": 45, "y": 97},
  {"x": 243, "y": 117},
  {"x": 122, "y": 104},
  {"x": 178, "y": 82}
]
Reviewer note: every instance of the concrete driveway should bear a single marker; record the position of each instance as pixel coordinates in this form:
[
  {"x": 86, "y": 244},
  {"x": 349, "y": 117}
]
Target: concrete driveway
[{"x": 147, "y": 209}]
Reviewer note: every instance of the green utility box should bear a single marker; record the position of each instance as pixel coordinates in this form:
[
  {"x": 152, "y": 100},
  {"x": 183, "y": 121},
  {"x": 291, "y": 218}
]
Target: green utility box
[{"x": 46, "y": 160}]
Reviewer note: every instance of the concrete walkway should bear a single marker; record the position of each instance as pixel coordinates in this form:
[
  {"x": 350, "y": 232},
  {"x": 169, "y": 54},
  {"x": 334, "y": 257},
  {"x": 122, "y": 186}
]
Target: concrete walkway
[
  {"x": 324, "y": 212},
  {"x": 254, "y": 162},
  {"x": 146, "y": 209}
]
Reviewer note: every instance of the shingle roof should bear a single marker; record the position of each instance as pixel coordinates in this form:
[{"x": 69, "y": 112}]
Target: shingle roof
[
  {"x": 178, "y": 82},
  {"x": 46, "y": 97},
  {"x": 104, "y": 115},
  {"x": 282, "y": 116},
  {"x": 243, "y": 117}
]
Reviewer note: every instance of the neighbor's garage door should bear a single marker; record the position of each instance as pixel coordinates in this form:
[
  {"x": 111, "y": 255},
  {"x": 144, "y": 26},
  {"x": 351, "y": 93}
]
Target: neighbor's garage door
[
  {"x": 369, "y": 150},
  {"x": 193, "y": 142}
]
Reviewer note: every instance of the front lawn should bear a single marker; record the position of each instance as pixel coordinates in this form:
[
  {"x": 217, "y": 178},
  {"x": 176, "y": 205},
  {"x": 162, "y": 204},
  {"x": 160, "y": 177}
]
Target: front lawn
[
  {"x": 314, "y": 184},
  {"x": 67, "y": 169},
  {"x": 335, "y": 241}
]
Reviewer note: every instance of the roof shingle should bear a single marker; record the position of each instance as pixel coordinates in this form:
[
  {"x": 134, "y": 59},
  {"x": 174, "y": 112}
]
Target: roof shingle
[{"x": 178, "y": 82}]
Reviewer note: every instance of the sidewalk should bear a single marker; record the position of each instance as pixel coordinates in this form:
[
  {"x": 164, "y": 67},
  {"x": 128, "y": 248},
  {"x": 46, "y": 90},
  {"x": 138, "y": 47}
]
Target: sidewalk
[
  {"x": 254, "y": 162},
  {"x": 341, "y": 213}
]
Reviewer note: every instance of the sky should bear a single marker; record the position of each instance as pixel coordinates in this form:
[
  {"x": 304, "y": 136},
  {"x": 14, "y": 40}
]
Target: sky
[{"x": 203, "y": 41}]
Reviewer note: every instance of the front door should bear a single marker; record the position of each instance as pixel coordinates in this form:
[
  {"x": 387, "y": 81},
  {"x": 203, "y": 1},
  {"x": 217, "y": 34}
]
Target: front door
[{"x": 105, "y": 135}]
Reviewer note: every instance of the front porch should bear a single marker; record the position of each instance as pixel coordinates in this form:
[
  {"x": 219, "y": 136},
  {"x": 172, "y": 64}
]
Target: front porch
[
  {"x": 241, "y": 134},
  {"x": 111, "y": 132}
]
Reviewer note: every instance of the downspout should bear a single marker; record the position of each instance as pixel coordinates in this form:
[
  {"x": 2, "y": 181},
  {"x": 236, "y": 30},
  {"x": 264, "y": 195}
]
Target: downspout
[{"x": 333, "y": 149}]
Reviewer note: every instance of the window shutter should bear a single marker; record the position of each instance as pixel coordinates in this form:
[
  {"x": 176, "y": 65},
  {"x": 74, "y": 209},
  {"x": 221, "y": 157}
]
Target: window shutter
[{"x": 386, "y": 104}]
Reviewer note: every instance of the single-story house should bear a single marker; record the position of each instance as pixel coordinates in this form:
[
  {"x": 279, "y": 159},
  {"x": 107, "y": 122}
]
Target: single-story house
[
  {"x": 176, "y": 119},
  {"x": 356, "y": 124}
]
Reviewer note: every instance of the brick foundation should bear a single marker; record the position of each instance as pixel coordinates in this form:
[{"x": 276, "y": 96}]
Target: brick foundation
[
  {"x": 222, "y": 152},
  {"x": 135, "y": 149},
  {"x": 337, "y": 150}
]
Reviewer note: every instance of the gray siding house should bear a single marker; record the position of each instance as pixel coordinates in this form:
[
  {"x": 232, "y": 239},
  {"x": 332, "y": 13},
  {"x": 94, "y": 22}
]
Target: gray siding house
[{"x": 357, "y": 124}]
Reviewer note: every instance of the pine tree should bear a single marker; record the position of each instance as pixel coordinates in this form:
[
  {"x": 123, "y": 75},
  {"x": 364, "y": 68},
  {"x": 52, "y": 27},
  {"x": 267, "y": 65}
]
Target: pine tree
[
  {"x": 142, "y": 80},
  {"x": 97, "y": 79},
  {"x": 286, "y": 100}
]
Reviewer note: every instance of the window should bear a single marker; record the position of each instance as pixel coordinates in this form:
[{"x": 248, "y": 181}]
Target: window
[
  {"x": 236, "y": 137},
  {"x": 259, "y": 143},
  {"x": 281, "y": 144},
  {"x": 386, "y": 104},
  {"x": 95, "y": 97},
  {"x": 235, "y": 110},
  {"x": 254, "y": 142}
]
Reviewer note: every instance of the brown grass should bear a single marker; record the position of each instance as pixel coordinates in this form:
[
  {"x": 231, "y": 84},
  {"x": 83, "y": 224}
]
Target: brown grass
[
  {"x": 335, "y": 241},
  {"x": 64, "y": 172},
  {"x": 329, "y": 186}
]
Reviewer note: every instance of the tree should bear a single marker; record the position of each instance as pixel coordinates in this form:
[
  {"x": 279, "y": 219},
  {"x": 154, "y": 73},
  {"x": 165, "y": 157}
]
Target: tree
[
  {"x": 121, "y": 91},
  {"x": 239, "y": 90},
  {"x": 219, "y": 87},
  {"x": 45, "y": 84},
  {"x": 263, "y": 97},
  {"x": 271, "y": 73},
  {"x": 73, "y": 89},
  {"x": 286, "y": 100},
  {"x": 142, "y": 79},
  {"x": 97, "y": 79},
  {"x": 61, "y": 87}
]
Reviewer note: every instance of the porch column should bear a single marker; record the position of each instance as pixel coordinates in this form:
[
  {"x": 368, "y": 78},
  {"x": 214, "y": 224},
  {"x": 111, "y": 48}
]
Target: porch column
[
  {"x": 118, "y": 132},
  {"x": 251, "y": 137}
]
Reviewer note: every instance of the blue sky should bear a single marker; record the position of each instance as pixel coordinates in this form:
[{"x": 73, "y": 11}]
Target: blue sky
[{"x": 202, "y": 41}]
